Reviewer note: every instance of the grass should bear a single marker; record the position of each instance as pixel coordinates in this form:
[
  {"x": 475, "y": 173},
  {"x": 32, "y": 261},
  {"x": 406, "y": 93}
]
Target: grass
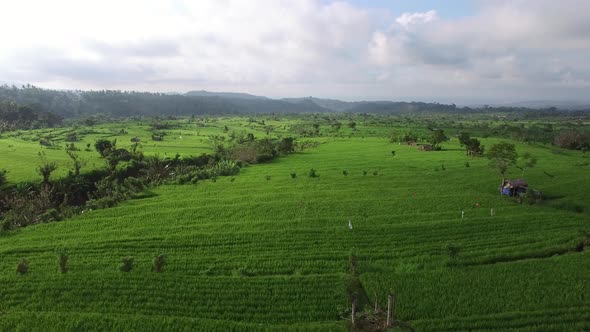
[{"x": 271, "y": 254}]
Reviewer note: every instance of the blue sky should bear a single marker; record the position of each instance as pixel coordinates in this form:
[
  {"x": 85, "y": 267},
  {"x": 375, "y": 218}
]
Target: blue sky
[
  {"x": 460, "y": 51},
  {"x": 445, "y": 8}
]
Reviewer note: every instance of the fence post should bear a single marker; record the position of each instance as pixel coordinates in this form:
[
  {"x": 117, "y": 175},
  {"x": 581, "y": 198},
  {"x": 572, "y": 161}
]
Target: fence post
[{"x": 390, "y": 309}]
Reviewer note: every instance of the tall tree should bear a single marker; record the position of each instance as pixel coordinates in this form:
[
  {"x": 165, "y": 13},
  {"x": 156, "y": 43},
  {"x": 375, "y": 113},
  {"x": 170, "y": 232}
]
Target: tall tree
[
  {"x": 502, "y": 156},
  {"x": 437, "y": 137}
]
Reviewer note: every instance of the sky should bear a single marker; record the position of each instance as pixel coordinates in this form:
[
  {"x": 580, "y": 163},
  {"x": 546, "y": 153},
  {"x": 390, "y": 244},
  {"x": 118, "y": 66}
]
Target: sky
[{"x": 488, "y": 51}]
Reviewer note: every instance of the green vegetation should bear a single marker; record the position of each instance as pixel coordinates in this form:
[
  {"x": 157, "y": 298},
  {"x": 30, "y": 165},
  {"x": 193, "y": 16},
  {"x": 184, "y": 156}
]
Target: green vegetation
[{"x": 265, "y": 249}]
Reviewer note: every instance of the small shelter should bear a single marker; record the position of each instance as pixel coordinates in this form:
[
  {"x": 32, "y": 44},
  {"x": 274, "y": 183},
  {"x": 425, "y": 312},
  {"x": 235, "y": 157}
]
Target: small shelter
[
  {"x": 513, "y": 187},
  {"x": 426, "y": 147}
]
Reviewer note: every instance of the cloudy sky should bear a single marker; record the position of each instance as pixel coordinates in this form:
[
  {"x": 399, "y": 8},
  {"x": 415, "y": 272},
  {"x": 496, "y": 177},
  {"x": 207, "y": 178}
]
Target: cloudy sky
[{"x": 441, "y": 50}]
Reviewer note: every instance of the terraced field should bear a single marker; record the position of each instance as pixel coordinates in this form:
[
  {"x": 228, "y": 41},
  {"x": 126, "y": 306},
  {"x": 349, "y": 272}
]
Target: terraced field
[
  {"x": 265, "y": 251},
  {"x": 19, "y": 149}
]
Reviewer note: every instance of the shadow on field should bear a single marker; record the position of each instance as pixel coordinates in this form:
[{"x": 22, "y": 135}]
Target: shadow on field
[{"x": 145, "y": 194}]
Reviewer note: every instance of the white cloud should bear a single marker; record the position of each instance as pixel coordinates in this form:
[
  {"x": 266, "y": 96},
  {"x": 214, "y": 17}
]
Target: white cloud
[
  {"x": 508, "y": 49},
  {"x": 406, "y": 20}
]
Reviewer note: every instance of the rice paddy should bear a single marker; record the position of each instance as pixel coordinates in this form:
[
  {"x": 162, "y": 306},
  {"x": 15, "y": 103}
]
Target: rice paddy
[{"x": 269, "y": 251}]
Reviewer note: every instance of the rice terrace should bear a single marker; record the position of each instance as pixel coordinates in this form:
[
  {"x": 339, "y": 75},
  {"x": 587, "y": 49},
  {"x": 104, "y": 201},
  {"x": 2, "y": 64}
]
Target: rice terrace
[{"x": 123, "y": 210}]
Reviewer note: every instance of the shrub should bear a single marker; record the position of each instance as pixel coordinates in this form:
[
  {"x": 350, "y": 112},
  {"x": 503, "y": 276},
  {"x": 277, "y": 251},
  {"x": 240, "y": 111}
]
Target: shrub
[
  {"x": 46, "y": 142},
  {"x": 23, "y": 266},
  {"x": 71, "y": 147},
  {"x": 50, "y": 215},
  {"x": 375, "y": 173},
  {"x": 313, "y": 173},
  {"x": 104, "y": 146},
  {"x": 267, "y": 177},
  {"x": 467, "y": 164},
  {"x": 2, "y": 177},
  {"x": 293, "y": 175},
  {"x": 46, "y": 169},
  {"x": 345, "y": 173},
  {"x": 572, "y": 139},
  {"x": 227, "y": 167},
  {"x": 72, "y": 137},
  {"x": 365, "y": 172},
  {"x": 126, "y": 264},
  {"x": 62, "y": 262},
  {"x": 158, "y": 263},
  {"x": 453, "y": 250},
  {"x": 286, "y": 145},
  {"x": 264, "y": 157}
]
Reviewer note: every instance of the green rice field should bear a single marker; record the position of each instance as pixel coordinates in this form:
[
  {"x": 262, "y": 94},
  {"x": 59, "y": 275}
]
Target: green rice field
[{"x": 266, "y": 251}]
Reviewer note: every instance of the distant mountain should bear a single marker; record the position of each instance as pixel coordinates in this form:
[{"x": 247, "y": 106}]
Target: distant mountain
[
  {"x": 540, "y": 104},
  {"x": 399, "y": 107},
  {"x": 272, "y": 106},
  {"x": 70, "y": 104},
  {"x": 331, "y": 104},
  {"x": 236, "y": 95}
]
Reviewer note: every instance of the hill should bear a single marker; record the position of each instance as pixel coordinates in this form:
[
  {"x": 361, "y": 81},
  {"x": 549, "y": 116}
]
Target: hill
[{"x": 236, "y": 95}]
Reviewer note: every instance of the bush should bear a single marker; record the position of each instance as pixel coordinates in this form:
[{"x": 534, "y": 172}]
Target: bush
[
  {"x": 23, "y": 266},
  {"x": 62, "y": 262},
  {"x": 293, "y": 175},
  {"x": 345, "y": 173},
  {"x": 126, "y": 264},
  {"x": 71, "y": 147},
  {"x": 313, "y": 173},
  {"x": 453, "y": 250},
  {"x": 46, "y": 142},
  {"x": 572, "y": 139},
  {"x": 2, "y": 177},
  {"x": 72, "y": 137},
  {"x": 267, "y": 177},
  {"x": 264, "y": 157},
  {"x": 287, "y": 145},
  {"x": 158, "y": 263}
]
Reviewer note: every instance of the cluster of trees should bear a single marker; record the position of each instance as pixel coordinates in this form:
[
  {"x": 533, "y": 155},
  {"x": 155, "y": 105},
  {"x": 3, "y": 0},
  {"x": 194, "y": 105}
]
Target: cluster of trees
[
  {"x": 472, "y": 145},
  {"x": 573, "y": 139},
  {"x": 126, "y": 174},
  {"x": 250, "y": 150},
  {"x": 71, "y": 104},
  {"x": 14, "y": 116},
  {"x": 434, "y": 137}
]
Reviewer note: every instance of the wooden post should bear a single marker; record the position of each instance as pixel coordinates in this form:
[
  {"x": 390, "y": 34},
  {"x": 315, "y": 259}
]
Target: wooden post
[
  {"x": 353, "y": 310},
  {"x": 390, "y": 310}
]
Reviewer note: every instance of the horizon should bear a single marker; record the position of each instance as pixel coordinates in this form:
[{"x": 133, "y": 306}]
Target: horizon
[
  {"x": 464, "y": 52},
  {"x": 533, "y": 104}
]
